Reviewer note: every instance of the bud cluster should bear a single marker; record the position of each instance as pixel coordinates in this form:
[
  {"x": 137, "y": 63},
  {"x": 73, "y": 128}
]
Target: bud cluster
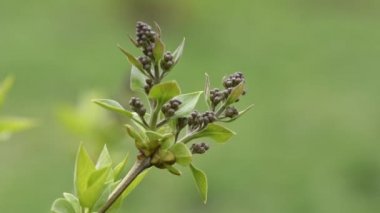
[
  {"x": 170, "y": 108},
  {"x": 137, "y": 106},
  {"x": 167, "y": 62},
  {"x": 198, "y": 120},
  {"x": 145, "y": 38},
  {"x": 233, "y": 80},
  {"x": 217, "y": 95},
  {"x": 231, "y": 112},
  {"x": 148, "y": 85},
  {"x": 146, "y": 62},
  {"x": 199, "y": 148}
]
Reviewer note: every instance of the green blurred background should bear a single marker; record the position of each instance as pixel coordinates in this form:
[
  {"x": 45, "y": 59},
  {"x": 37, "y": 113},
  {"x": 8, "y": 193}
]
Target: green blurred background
[{"x": 311, "y": 144}]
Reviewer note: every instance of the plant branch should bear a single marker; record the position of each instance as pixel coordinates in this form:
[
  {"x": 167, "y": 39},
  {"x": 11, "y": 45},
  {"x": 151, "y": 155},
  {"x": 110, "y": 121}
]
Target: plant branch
[{"x": 139, "y": 166}]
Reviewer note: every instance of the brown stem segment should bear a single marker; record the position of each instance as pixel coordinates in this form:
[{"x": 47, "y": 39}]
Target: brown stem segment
[{"x": 139, "y": 166}]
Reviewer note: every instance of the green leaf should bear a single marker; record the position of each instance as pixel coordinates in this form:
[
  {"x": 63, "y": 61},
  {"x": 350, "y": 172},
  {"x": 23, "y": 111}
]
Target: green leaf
[
  {"x": 182, "y": 154},
  {"x": 120, "y": 167},
  {"x": 139, "y": 139},
  {"x": 137, "y": 80},
  {"x": 215, "y": 132},
  {"x": 189, "y": 101},
  {"x": 227, "y": 120},
  {"x": 200, "y": 179},
  {"x": 5, "y": 86},
  {"x": 61, "y": 205},
  {"x": 113, "y": 106},
  {"x": 158, "y": 50},
  {"x": 163, "y": 92},
  {"x": 96, "y": 184},
  {"x": 134, "y": 184},
  {"x": 173, "y": 170},
  {"x": 12, "y": 125},
  {"x": 235, "y": 93},
  {"x": 104, "y": 197},
  {"x": 158, "y": 29},
  {"x": 73, "y": 201},
  {"x": 104, "y": 159},
  {"x": 207, "y": 91},
  {"x": 84, "y": 167},
  {"x": 133, "y": 41},
  {"x": 133, "y": 60},
  {"x": 179, "y": 51}
]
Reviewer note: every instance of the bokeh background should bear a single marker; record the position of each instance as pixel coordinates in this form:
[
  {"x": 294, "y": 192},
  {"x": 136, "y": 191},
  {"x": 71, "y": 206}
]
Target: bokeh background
[{"x": 311, "y": 144}]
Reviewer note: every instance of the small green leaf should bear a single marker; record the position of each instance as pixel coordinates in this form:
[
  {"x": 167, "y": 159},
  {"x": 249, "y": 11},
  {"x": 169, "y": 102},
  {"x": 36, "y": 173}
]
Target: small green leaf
[
  {"x": 73, "y": 201},
  {"x": 158, "y": 29},
  {"x": 134, "y": 183},
  {"x": 200, "y": 179},
  {"x": 207, "y": 91},
  {"x": 179, "y": 51},
  {"x": 163, "y": 92},
  {"x": 137, "y": 80},
  {"x": 5, "y": 86},
  {"x": 227, "y": 120},
  {"x": 62, "y": 205},
  {"x": 173, "y": 170},
  {"x": 139, "y": 139},
  {"x": 12, "y": 125},
  {"x": 104, "y": 159},
  {"x": 96, "y": 185},
  {"x": 104, "y": 197},
  {"x": 133, "y": 41},
  {"x": 84, "y": 167},
  {"x": 113, "y": 106},
  {"x": 215, "y": 132},
  {"x": 189, "y": 101},
  {"x": 133, "y": 60},
  {"x": 182, "y": 154},
  {"x": 158, "y": 50},
  {"x": 120, "y": 167},
  {"x": 236, "y": 93}
]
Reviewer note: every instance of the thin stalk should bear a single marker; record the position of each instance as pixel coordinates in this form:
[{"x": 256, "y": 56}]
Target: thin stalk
[
  {"x": 139, "y": 166},
  {"x": 154, "y": 118}
]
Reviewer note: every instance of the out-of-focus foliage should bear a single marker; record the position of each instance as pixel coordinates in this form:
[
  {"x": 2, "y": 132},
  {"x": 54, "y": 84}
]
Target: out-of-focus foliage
[
  {"x": 10, "y": 125},
  {"x": 89, "y": 123}
]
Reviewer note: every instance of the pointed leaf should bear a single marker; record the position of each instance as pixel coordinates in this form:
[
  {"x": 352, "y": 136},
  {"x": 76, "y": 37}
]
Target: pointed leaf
[
  {"x": 182, "y": 154},
  {"x": 164, "y": 91},
  {"x": 133, "y": 60},
  {"x": 84, "y": 167},
  {"x": 189, "y": 101},
  {"x": 158, "y": 29},
  {"x": 158, "y": 50},
  {"x": 200, "y": 179},
  {"x": 104, "y": 159},
  {"x": 113, "y": 106},
  {"x": 215, "y": 132},
  {"x": 96, "y": 185},
  {"x": 173, "y": 170},
  {"x": 179, "y": 51},
  {"x": 61, "y": 205},
  {"x": 137, "y": 80},
  {"x": 120, "y": 167},
  {"x": 133, "y": 41},
  {"x": 236, "y": 93},
  {"x": 207, "y": 90}
]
